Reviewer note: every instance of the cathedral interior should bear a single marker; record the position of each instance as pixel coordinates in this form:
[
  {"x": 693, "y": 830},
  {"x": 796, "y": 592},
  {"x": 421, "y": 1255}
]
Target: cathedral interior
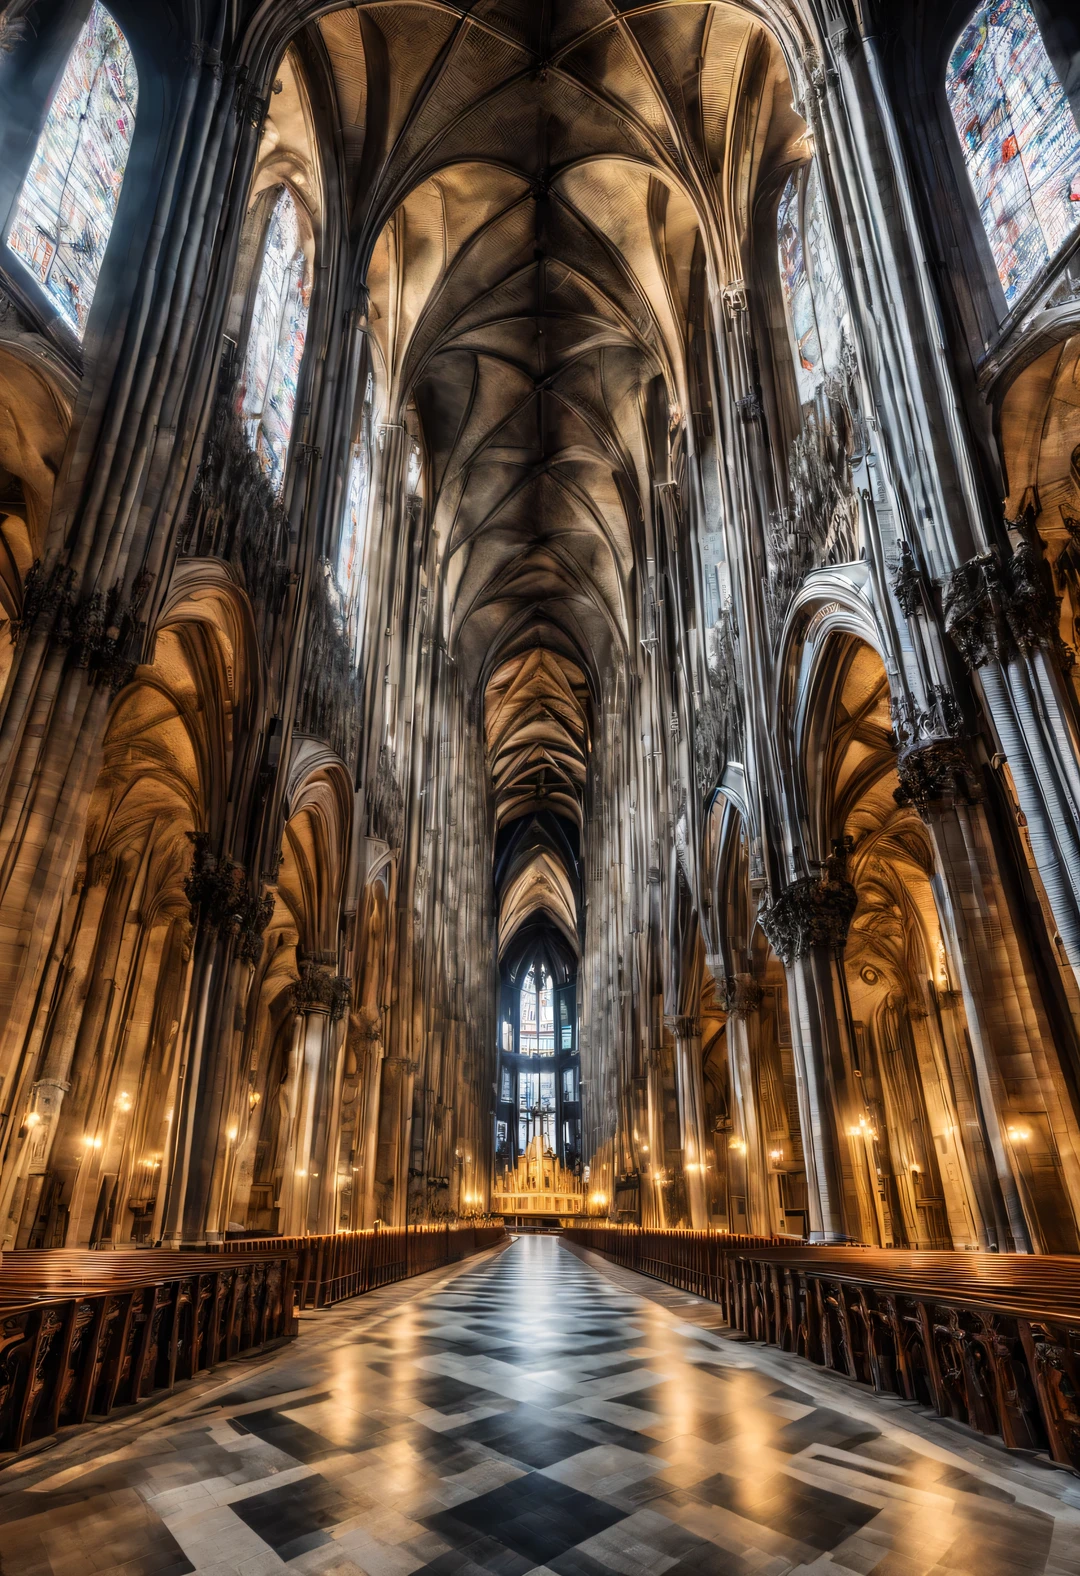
[{"x": 540, "y": 726}]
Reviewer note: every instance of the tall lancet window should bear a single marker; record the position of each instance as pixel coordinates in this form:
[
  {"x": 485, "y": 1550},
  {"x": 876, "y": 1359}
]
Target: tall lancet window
[
  {"x": 536, "y": 1019},
  {"x": 275, "y": 347},
  {"x": 811, "y": 282},
  {"x": 68, "y": 200},
  {"x": 350, "y": 571},
  {"x": 1019, "y": 137}
]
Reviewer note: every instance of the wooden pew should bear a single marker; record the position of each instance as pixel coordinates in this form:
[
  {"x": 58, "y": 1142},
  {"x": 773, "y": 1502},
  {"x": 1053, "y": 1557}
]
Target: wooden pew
[
  {"x": 85, "y": 1333},
  {"x": 992, "y": 1340},
  {"x": 348, "y": 1263}
]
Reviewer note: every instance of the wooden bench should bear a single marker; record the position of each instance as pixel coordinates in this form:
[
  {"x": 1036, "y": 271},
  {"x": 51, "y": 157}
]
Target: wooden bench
[
  {"x": 347, "y": 1263},
  {"x": 992, "y": 1340},
  {"x": 84, "y": 1333}
]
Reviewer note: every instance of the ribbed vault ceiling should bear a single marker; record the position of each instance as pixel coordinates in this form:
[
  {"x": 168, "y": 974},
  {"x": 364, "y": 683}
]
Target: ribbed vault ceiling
[{"x": 534, "y": 184}]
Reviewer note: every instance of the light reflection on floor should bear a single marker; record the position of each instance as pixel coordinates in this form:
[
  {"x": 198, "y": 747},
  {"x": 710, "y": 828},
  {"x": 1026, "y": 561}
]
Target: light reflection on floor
[{"x": 532, "y": 1411}]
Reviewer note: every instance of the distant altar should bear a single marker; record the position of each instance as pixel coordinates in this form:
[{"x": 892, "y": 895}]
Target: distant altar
[{"x": 538, "y": 1185}]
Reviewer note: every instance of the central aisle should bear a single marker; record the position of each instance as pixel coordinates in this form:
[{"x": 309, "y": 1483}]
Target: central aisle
[{"x": 528, "y": 1413}]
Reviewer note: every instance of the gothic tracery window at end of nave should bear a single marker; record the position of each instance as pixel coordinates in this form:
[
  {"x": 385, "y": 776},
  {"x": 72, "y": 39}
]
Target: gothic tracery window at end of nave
[
  {"x": 275, "y": 347},
  {"x": 68, "y": 200},
  {"x": 1019, "y": 138},
  {"x": 536, "y": 1021}
]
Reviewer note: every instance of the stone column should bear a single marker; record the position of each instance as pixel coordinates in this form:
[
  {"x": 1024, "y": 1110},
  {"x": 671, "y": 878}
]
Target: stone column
[
  {"x": 653, "y": 1144},
  {"x": 395, "y": 1134},
  {"x": 743, "y": 997},
  {"x": 1002, "y": 613},
  {"x": 807, "y": 924},
  {"x": 309, "y": 1186},
  {"x": 937, "y": 779},
  {"x": 690, "y": 1085}
]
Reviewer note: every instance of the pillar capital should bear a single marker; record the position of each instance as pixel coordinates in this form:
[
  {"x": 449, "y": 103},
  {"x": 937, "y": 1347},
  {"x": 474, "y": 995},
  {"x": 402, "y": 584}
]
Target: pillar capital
[
  {"x": 998, "y": 608},
  {"x": 684, "y": 1026},
  {"x": 741, "y": 995},
  {"x": 936, "y": 775},
  {"x": 815, "y": 911},
  {"x": 320, "y": 990}
]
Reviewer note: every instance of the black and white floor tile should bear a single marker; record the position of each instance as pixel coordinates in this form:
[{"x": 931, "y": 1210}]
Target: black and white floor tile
[{"x": 532, "y": 1411}]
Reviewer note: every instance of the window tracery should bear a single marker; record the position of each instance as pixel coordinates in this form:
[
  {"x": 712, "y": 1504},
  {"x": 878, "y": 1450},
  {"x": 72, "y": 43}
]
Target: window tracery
[
  {"x": 811, "y": 283},
  {"x": 1019, "y": 138},
  {"x": 536, "y": 1015},
  {"x": 275, "y": 348},
  {"x": 68, "y": 201},
  {"x": 350, "y": 571}
]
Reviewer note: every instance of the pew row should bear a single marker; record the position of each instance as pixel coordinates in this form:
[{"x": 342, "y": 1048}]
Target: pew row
[
  {"x": 348, "y": 1263},
  {"x": 990, "y": 1340},
  {"x": 84, "y": 1334}
]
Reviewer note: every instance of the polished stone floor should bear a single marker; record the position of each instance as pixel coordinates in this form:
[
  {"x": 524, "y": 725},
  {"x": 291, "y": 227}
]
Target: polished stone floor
[{"x": 533, "y": 1410}]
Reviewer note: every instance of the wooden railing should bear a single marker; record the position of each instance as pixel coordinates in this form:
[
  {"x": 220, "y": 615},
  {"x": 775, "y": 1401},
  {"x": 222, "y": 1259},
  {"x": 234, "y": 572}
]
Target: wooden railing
[
  {"x": 992, "y": 1340},
  {"x": 695, "y": 1261},
  {"x": 84, "y": 1333},
  {"x": 331, "y": 1268}
]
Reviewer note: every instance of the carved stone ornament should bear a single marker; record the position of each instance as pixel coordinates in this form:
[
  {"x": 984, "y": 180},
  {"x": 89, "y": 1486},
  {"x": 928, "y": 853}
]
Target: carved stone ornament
[
  {"x": 815, "y": 911},
  {"x": 683, "y": 1026},
  {"x": 907, "y": 581},
  {"x": 741, "y": 996},
  {"x": 998, "y": 608},
  {"x": 718, "y": 722},
  {"x": 234, "y": 513},
  {"x": 221, "y": 899},
  {"x": 330, "y": 690},
  {"x": 386, "y": 805},
  {"x": 102, "y": 631},
  {"x": 819, "y": 524},
  {"x": 319, "y": 989},
  {"x": 936, "y": 774}
]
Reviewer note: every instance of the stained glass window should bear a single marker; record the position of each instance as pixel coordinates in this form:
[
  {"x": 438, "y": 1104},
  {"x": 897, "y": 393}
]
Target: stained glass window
[
  {"x": 536, "y": 1109},
  {"x": 354, "y": 527},
  {"x": 536, "y": 1015},
  {"x": 275, "y": 346},
  {"x": 414, "y": 469},
  {"x": 810, "y": 278},
  {"x": 1019, "y": 138},
  {"x": 546, "y": 1016},
  {"x": 527, "y": 1015},
  {"x": 68, "y": 200}
]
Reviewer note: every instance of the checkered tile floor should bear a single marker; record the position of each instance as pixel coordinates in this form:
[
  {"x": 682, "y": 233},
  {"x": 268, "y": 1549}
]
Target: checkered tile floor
[{"x": 531, "y": 1411}]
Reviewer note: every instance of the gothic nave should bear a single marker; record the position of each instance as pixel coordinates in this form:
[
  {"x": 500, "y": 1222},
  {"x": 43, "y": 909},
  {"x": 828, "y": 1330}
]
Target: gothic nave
[{"x": 540, "y": 564}]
